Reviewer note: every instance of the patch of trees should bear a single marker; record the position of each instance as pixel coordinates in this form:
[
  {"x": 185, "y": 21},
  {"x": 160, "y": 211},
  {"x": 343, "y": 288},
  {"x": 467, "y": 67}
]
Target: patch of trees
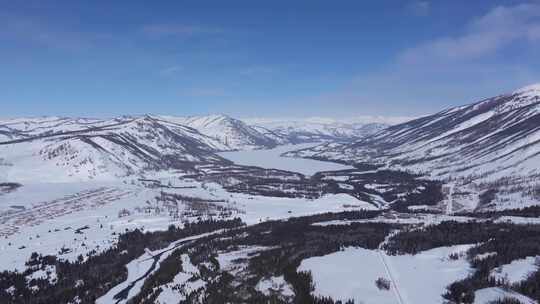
[
  {"x": 530, "y": 211},
  {"x": 98, "y": 272},
  {"x": 506, "y": 300},
  {"x": 269, "y": 182},
  {"x": 403, "y": 188},
  {"x": 413, "y": 239},
  {"x": 382, "y": 283},
  {"x": 286, "y": 244},
  {"x": 530, "y": 286},
  {"x": 9, "y": 187},
  {"x": 430, "y": 195}
]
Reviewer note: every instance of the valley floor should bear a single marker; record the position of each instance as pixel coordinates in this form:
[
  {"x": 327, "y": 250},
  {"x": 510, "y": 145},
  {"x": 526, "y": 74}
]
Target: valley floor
[{"x": 332, "y": 246}]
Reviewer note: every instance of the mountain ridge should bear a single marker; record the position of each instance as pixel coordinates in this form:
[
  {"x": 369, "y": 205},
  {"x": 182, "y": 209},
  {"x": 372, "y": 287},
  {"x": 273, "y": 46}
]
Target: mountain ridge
[
  {"x": 92, "y": 148},
  {"x": 493, "y": 144}
]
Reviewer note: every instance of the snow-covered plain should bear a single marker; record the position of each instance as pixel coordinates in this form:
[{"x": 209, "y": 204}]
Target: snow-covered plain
[
  {"x": 421, "y": 278},
  {"x": 517, "y": 270},
  {"x": 272, "y": 158},
  {"x": 46, "y": 218},
  {"x": 490, "y": 294}
]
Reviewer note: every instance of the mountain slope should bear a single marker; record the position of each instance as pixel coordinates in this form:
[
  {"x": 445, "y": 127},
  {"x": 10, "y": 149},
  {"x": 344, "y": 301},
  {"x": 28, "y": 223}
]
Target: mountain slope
[
  {"x": 106, "y": 149},
  {"x": 492, "y": 145},
  {"x": 234, "y": 134},
  {"x": 63, "y": 148}
]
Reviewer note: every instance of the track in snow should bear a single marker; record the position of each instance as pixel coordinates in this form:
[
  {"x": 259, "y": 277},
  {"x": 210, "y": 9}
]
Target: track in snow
[{"x": 389, "y": 273}]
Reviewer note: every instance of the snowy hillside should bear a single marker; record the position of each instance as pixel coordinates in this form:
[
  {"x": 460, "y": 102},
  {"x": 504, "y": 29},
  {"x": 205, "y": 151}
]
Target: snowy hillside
[
  {"x": 63, "y": 148},
  {"x": 232, "y": 133},
  {"x": 66, "y": 149},
  {"x": 492, "y": 145}
]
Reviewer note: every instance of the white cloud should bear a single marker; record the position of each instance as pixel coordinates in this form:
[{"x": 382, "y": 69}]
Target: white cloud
[
  {"x": 36, "y": 32},
  {"x": 496, "y": 53},
  {"x": 171, "y": 70},
  {"x": 499, "y": 28},
  {"x": 165, "y": 30}
]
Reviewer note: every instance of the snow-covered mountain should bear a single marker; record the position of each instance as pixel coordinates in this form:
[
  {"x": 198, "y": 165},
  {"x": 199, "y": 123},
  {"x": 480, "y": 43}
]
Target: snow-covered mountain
[
  {"x": 304, "y": 131},
  {"x": 234, "y": 134},
  {"x": 488, "y": 147},
  {"x": 63, "y": 148}
]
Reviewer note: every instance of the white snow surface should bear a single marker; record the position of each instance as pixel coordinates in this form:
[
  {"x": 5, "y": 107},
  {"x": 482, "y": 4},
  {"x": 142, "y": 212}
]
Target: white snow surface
[
  {"x": 420, "y": 278},
  {"x": 533, "y": 89},
  {"x": 490, "y": 294},
  {"x": 276, "y": 285},
  {"x": 517, "y": 270},
  {"x": 272, "y": 158}
]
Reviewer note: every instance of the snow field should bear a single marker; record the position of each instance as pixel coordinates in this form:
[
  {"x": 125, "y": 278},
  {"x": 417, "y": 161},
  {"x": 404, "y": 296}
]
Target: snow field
[{"x": 420, "y": 278}]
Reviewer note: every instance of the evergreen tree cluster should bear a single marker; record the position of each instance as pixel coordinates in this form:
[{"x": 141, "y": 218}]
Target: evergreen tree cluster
[{"x": 98, "y": 272}]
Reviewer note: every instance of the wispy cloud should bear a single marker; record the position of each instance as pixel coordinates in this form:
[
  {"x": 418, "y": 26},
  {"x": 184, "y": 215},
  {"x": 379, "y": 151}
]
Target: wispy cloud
[
  {"x": 451, "y": 70},
  {"x": 166, "y": 30},
  {"x": 170, "y": 70},
  {"x": 30, "y": 30},
  {"x": 499, "y": 28},
  {"x": 254, "y": 70},
  {"x": 420, "y": 8}
]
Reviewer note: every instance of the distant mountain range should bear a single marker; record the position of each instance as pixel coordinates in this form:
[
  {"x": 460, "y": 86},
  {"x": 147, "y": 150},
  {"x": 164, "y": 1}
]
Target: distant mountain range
[
  {"x": 65, "y": 148},
  {"x": 145, "y": 209},
  {"x": 487, "y": 152},
  {"x": 301, "y": 132}
]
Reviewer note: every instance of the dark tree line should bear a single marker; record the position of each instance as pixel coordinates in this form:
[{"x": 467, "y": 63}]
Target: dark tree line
[{"x": 288, "y": 243}]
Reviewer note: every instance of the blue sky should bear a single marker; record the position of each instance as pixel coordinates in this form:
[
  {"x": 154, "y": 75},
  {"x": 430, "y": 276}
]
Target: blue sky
[{"x": 262, "y": 58}]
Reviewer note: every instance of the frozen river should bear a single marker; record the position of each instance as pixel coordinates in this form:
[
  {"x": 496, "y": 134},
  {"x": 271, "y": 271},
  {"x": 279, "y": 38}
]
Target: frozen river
[{"x": 272, "y": 159}]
